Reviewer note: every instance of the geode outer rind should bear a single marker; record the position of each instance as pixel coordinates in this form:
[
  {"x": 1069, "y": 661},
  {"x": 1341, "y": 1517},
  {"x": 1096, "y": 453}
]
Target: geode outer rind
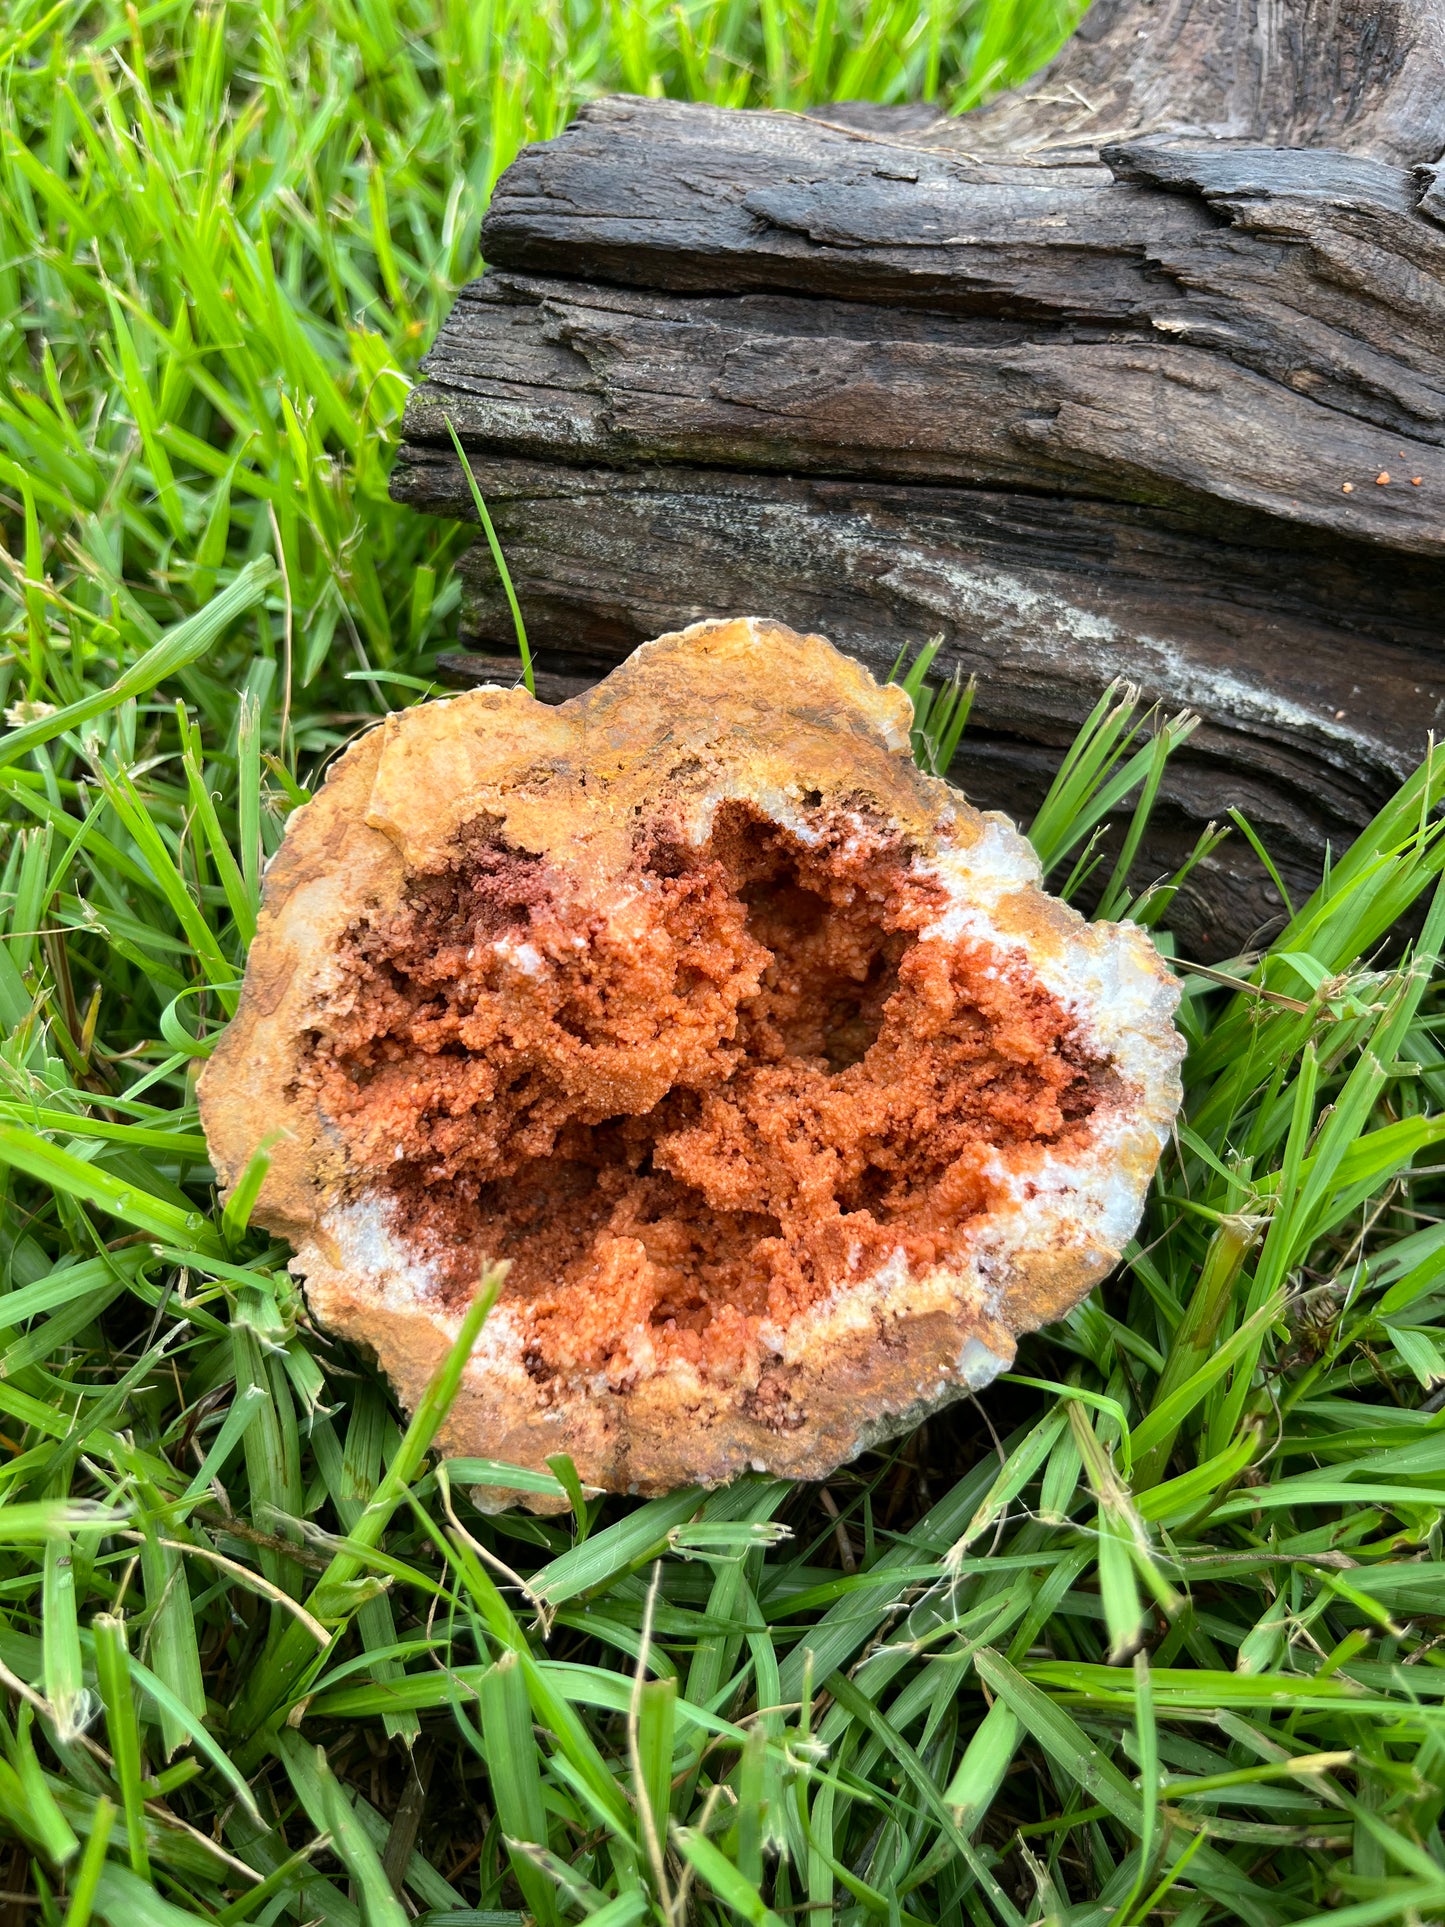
[{"x": 747, "y": 713}]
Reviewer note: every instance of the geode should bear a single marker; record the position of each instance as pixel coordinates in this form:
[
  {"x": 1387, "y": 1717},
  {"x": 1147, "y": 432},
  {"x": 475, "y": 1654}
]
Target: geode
[{"x": 786, "y": 1094}]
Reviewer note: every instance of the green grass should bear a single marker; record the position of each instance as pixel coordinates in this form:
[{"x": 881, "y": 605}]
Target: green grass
[{"x": 1149, "y": 1633}]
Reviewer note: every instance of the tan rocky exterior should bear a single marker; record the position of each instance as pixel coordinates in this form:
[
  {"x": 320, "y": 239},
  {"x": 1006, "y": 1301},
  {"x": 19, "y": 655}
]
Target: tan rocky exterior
[{"x": 742, "y": 710}]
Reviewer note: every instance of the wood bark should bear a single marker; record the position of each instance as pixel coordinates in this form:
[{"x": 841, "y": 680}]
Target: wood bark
[{"x": 1139, "y": 372}]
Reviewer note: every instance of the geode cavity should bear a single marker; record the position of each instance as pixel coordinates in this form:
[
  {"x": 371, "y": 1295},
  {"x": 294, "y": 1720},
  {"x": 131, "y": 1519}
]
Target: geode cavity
[{"x": 786, "y": 1093}]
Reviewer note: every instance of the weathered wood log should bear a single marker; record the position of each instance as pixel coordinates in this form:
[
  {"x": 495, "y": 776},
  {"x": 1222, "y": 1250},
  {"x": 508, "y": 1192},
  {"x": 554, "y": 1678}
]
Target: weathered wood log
[
  {"x": 1139, "y": 372},
  {"x": 466, "y": 669}
]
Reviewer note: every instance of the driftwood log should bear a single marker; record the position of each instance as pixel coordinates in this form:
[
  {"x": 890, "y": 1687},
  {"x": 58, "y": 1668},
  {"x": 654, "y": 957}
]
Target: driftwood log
[{"x": 1137, "y": 373}]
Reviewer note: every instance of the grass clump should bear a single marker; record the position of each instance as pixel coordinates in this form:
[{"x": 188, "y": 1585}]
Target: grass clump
[{"x": 1150, "y": 1635}]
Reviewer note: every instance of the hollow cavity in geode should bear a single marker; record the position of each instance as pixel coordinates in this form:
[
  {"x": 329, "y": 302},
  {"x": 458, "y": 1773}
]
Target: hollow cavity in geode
[
  {"x": 787, "y": 1095},
  {"x": 690, "y": 1121}
]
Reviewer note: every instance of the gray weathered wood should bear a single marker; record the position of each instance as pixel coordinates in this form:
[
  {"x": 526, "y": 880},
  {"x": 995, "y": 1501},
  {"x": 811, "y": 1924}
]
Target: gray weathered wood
[
  {"x": 1086, "y": 406},
  {"x": 1367, "y": 75},
  {"x": 466, "y": 669}
]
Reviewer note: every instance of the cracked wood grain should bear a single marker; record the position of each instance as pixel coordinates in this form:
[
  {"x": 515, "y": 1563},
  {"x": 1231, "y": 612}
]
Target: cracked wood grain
[{"x": 1091, "y": 389}]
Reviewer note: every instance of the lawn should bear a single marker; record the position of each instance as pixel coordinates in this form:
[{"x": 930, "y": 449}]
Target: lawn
[{"x": 1154, "y": 1630}]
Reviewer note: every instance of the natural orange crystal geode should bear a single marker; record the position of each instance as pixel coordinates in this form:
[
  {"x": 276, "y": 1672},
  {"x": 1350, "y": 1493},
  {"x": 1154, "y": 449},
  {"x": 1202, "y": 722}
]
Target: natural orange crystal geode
[{"x": 788, "y": 1095}]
